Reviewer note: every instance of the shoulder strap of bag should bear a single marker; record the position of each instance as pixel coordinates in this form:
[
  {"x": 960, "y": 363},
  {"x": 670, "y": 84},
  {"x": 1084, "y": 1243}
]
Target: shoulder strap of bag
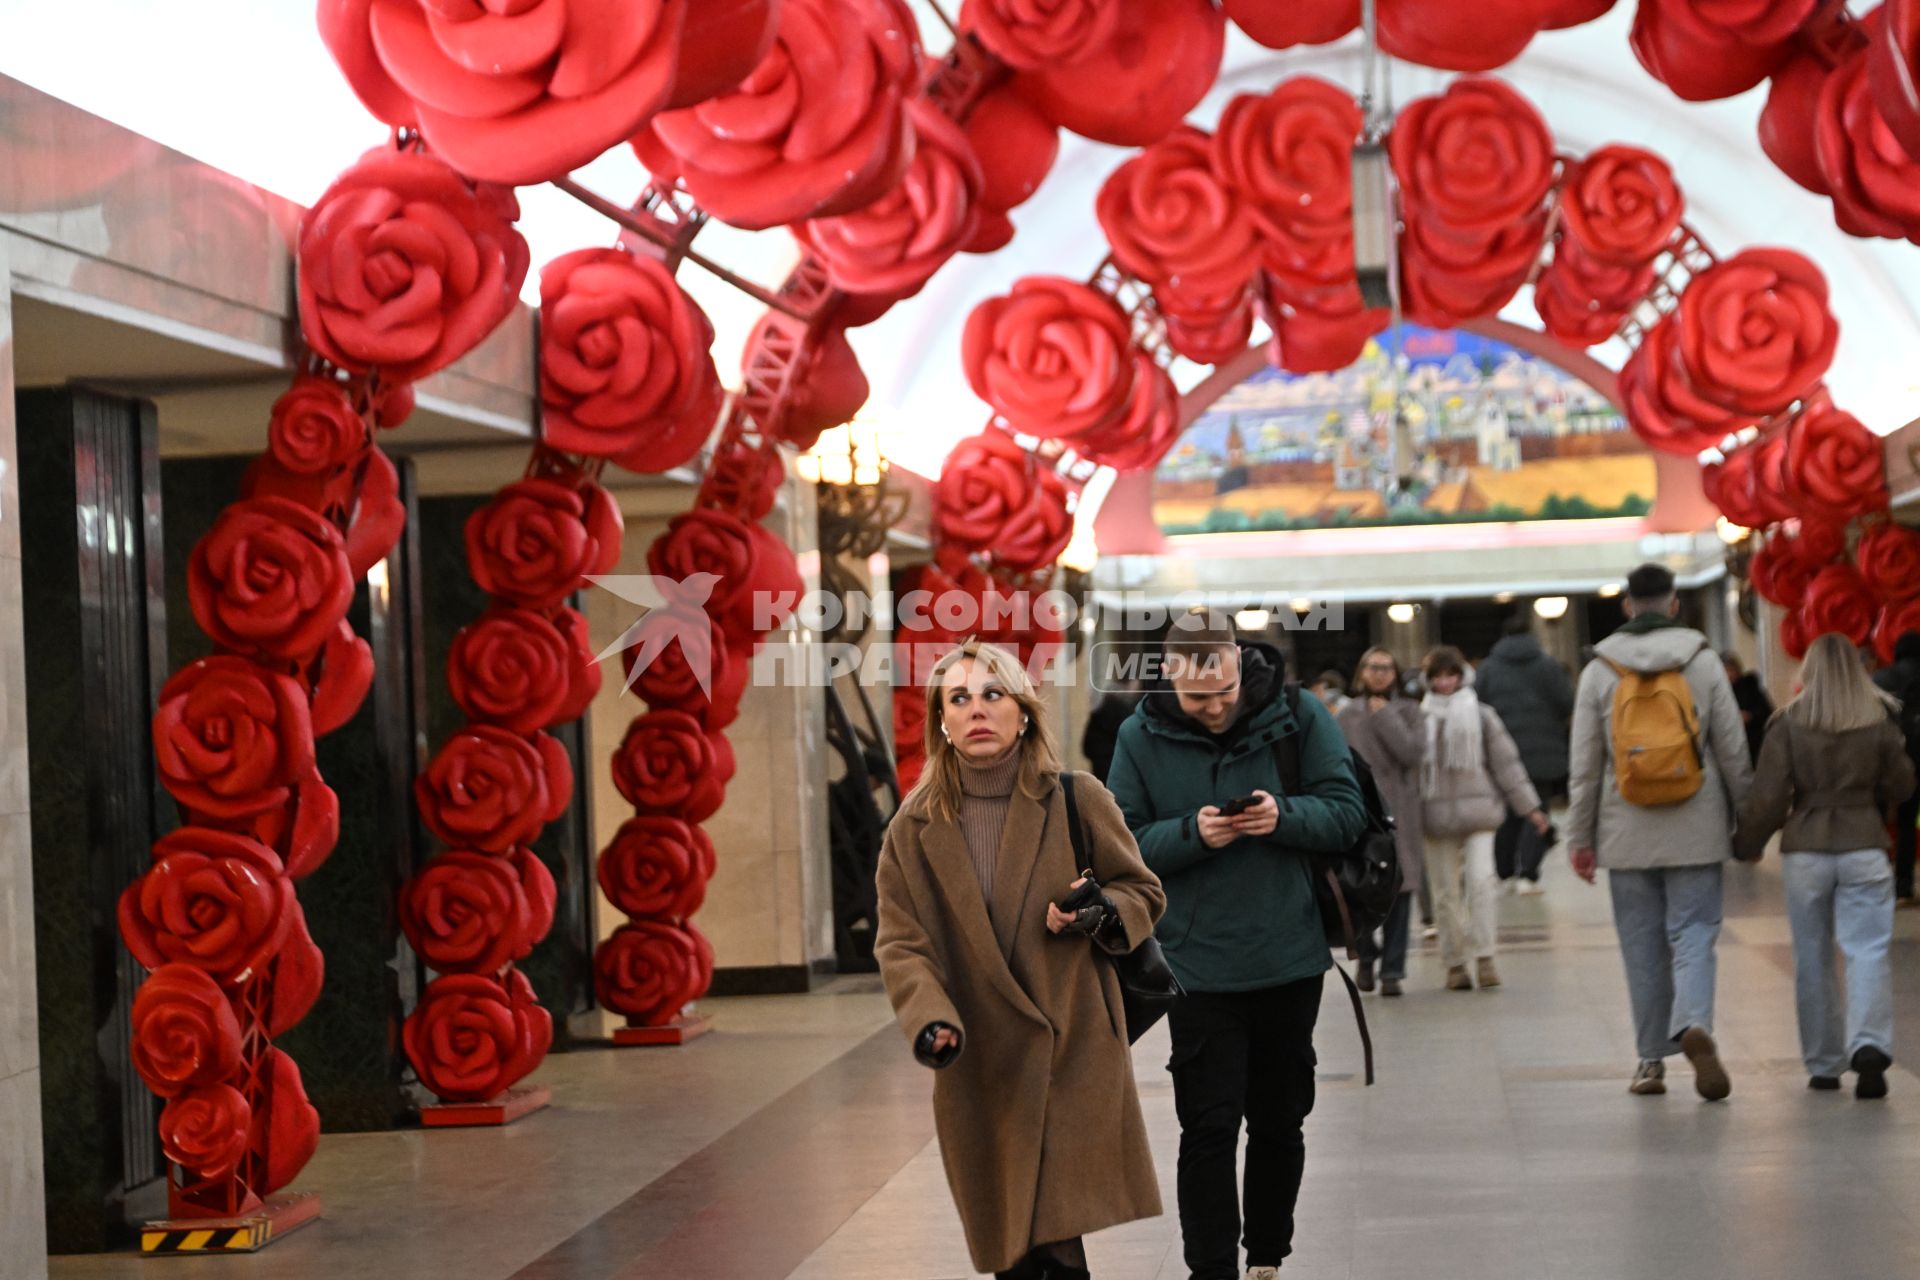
[
  {"x": 1286, "y": 754},
  {"x": 1074, "y": 832}
]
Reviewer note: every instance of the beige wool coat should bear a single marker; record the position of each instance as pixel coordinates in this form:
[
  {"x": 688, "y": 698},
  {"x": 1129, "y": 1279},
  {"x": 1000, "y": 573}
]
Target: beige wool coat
[{"x": 1039, "y": 1121}]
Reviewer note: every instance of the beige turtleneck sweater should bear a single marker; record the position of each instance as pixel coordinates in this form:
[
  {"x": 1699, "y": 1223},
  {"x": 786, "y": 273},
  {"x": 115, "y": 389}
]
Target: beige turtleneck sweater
[{"x": 986, "y": 789}]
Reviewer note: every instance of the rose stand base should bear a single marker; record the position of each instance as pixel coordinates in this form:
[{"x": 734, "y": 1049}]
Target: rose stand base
[
  {"x": 505, "y": 1109},
  {"x": 688, "y": 1028},
  {"x": 247, "y": 1233}
]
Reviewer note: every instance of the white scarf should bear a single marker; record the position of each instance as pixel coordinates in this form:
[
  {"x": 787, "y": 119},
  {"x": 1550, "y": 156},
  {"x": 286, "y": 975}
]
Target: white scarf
[{"x": 1454, "y": 743}]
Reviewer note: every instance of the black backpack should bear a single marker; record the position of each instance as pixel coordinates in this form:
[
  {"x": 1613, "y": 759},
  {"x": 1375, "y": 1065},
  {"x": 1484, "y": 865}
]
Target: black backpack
[{"x": 1356, "y": 887}]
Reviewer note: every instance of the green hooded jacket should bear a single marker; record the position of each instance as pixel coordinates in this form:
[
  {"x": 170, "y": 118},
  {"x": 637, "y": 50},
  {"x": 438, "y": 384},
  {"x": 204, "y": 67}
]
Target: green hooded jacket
[{"x": 1243, "y": 916}]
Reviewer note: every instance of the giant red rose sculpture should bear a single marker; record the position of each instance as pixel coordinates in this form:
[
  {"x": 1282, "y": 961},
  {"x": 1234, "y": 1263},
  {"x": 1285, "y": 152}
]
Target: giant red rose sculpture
[
  {"x": 516, "y": 93},
  {"x": 404, "y": 268},
  {"x": 467, "y": 913},
  {"x": 893, "y": 246},
  {"x": 1136, "y": 86},
  {"x": 1838, "y": 467},
  {"x": 1888, "y": 557},
  {"x": 819, "y": 128},
  {"x": 232, "y": 738},
  {"x": 650, "y": 970},
  {"x": 471, "y": 1038},
  {"x": 657, "y": 866},
  {"x": 1289, "y": 154},
  {"x": 206, "y": 1129},
  {"x": 1716, "y": 48},
  {"x": 270, "y": 577},
  {"x": 1051, "y": 357},
  {"x": 993, "y": 499},
  {"x": 185, "y": 1034},
  {"x": 513, "y": 668},
  {"x": 490, "y": 789},
  {"x": 214, "y": 900},
  {"x": 1033, "y": 35},
  {"x": 1837, "y": 599},
  {"x": 536, "y": 542},
  {"x": 1619, "y": 211},
  {"x": 669, "y": 765},
  {"x": 1170, "y": 219},
  {"x": 1282, "y": 24}
]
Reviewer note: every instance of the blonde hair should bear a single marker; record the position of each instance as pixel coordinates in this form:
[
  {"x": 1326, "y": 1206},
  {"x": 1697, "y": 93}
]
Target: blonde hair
[
  {"x": 939, "y": 785},
  {"x": 1836, "y": 694}
]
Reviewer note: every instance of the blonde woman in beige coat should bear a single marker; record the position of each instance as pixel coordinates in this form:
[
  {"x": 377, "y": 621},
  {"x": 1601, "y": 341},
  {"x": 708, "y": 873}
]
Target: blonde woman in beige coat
[
  {"x": 1471, "y": 774},
  {"x": 1006, "y": 996}
]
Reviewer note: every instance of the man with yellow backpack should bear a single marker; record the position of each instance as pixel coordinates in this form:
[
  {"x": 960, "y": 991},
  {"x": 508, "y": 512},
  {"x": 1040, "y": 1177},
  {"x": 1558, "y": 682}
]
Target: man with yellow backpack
[{"x": 1658, "y": 770}]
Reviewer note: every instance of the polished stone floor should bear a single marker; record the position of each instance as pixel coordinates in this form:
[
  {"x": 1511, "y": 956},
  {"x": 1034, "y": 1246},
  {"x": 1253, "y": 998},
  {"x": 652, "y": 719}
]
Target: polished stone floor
[{"x": 1500, "y": 1144}]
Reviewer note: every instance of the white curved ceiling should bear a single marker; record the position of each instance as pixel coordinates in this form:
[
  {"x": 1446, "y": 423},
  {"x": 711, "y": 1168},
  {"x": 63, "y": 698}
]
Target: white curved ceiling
[{"x": 247, "y": 86}]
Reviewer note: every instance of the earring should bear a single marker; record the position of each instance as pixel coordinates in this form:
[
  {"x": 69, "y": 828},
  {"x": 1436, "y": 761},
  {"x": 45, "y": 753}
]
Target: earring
[
  {"x": 945, "y": 734},
  {"x": 1024, "y": 722}
]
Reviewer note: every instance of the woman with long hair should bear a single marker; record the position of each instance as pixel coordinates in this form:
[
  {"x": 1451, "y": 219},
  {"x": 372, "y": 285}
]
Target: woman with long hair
[
  {"x": 1390, "y": 734},
  {"x": 1832, "y": 764},
  {"x": 1471, "y": 774},
  {"x": 1012, "y": 1000}
]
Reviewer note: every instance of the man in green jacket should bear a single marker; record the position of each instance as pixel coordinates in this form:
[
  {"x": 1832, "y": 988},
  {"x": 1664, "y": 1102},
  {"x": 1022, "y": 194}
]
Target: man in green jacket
[{"x": 1241, "y": 929}]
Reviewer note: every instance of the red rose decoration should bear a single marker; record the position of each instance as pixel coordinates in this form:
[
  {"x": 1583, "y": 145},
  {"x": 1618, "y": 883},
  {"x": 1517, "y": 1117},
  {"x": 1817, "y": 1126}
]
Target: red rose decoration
[
  {"x": 470, "y": 1040},
  {"x": 1282, "y": 24},
  {"x": 1732, "y": 486},
  {"x": 538, "y": 539},
  {"x": 1457, "y": 37},
  {"x": 1661, "y": 402},
  {"x": 404, "y": 267},
  {"x": 270, "y": 577},
  {"x": 464, "y": 913},
  {"x": 286, "y": 1137},
  {"x": 743, "y": 479},
  {"x": 542, "y": 896},
  {"x": 1889, "y": 560},
  {"x": 185, "y": 1033},
  {"x": 1780, "y": 574},
  {"x": 1787, "y": 121},
  {"x": 489, "y": 789},
  {"x": 1169, "y": 219},
  {"x": 1015, "y": 146},
  {"x": 1870, "y": 175},
  {"x": 667, "y": 764},
  {"x": 1139, "y": 439},
  {"x": 517, "y": 93},
  {"x": 1837, "y": 466},
  {"x": 1290, "y": 155},
  {"x": 1754, "y": 331},
  {"x": 650, "y": 970},
  {"x": 346, "y": 675},
  {"x": 705, "y": 541},
  {"x": 379, "y": 517},
  {"x": 582, "y": 672},
  {"x": 1052, "y": 357},
  {"x": 1705, "y": 49},
  {"x": 1773, "y": 492},
  {"x": 315, "y": 827},
  {"x": 657, "y": 866},
  {"x": 993, "y": 497},
  {"x": 1137, "y": 86},
  {"x": 688, "y": 667},
  {"x": 1034, "y": 35},
  {"x": 212, "y": 899},
  {"x": 819, "y": 128},
  {"x": 231, "y": 737},
  {"x": 1892, "y": 54},
  {"x": 828, "y": 394},
  {"x": 313, "y": 429},
  {"x": 299, "y": 972},
  {"x": 1895, "y": 621},
  {"x": 723, "y": 41},
  {"x": 511, "y": 668},
  {"x": 1838, "y": 600},
  {"x": 1472, "y": 161},
  {"x": 893, "y": 246},
  {"x": 205, "y": 1130},
  {"x": 1793, "y": 634},
  {"x": 393, "y": 404},
  {"x": 626, "y": 366},
  {"x": 1621, "y": 205},
  {"x": 1207, "y": 328}
]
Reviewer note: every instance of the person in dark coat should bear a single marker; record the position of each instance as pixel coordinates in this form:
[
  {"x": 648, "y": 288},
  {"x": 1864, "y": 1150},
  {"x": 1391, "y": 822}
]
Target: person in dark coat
[
  {"x": 1901, "y": 678},
  {"x": 1756, "y": 708},
  {"x": 1103, "y": 727},
  {"x": 1533, "y": 696}
]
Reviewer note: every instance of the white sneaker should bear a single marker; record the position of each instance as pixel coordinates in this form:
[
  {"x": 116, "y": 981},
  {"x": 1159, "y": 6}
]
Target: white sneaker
[
  {"x": 1528, "y": 889},
  {"x": 1263, "y": 1273},
  {"x": 1430, "y": 933}
]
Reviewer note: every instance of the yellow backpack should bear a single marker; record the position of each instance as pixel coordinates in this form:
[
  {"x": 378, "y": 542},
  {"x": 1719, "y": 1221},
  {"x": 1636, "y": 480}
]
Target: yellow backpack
[{"x": 1656, "y": 737}]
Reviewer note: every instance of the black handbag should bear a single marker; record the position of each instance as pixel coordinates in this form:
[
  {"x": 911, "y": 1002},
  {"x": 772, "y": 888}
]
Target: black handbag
[{"x": 1147, "y": 985}]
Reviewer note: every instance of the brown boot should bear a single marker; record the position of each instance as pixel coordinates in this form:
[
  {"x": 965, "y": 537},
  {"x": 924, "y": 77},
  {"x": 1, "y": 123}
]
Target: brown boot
[
  {"x": 1710, "y": 1078},
  {"x": 1486, "y": 973},
  {"x": 1457, "y": 979}
]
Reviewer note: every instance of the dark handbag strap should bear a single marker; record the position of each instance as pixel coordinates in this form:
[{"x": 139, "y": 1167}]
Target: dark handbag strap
[
  {"x": 1286, "y": 756},
  {"x": 1074, "y": 833}
]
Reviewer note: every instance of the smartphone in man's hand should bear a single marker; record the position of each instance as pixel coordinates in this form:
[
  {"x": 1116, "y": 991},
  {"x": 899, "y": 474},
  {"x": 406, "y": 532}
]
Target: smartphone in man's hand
[{"x": 1234, "y": 808}]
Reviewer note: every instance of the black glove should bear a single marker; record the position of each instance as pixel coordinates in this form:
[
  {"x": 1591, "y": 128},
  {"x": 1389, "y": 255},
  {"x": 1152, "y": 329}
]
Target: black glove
[
  {"x": 928, "y": 1055},
  {"x": 1092, "y": 910}
]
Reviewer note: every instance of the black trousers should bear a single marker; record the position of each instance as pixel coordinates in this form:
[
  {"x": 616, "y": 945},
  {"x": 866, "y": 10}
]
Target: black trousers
[
  {"x": 1903, "y": 838},
  {"x": 1242, "y": 1055},
  {"x": 1517, "y": 847},
  {"x": 1393, "y": 955}
]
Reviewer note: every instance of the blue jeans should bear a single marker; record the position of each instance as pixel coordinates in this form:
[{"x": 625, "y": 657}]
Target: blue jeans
[
  {"x": 1843, "y": 899},
  {"x": 1393, "y": 955},
  {"x": 1668, "y": 919}
]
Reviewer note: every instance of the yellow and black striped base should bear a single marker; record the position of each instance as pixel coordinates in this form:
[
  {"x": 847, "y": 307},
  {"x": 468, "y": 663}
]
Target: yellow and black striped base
[{"x": 255, "y": 1231}]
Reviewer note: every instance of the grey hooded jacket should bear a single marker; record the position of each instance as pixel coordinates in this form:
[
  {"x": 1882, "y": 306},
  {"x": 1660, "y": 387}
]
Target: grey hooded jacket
[{"x": 1699, "y": 830}]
